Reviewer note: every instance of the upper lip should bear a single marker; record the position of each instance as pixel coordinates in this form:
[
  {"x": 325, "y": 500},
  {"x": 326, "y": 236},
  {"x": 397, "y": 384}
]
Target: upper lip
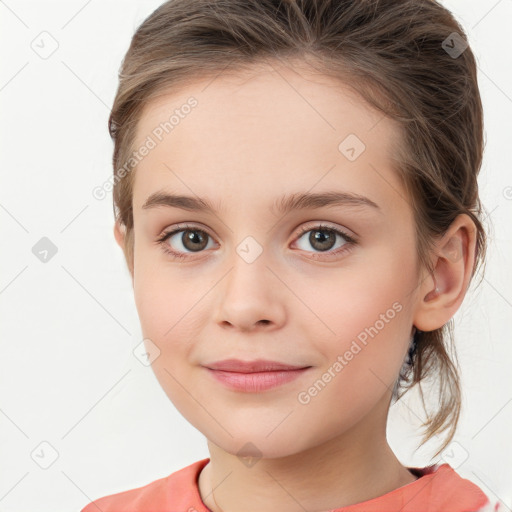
[{"x": 258, "y": 365}]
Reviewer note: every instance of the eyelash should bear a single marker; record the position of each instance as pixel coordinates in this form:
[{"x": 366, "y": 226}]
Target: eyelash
[{"x": 350, "y": 241}]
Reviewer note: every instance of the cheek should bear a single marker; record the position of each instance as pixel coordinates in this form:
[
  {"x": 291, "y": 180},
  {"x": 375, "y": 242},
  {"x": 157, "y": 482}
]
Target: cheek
[
  {"x": 161, "y": 300},
  {"x": 344, "y": 303},
  {"x": 166, "y": 310},
  {"x": 173, "y": 308},
  {"x": 364, "y": 316}
]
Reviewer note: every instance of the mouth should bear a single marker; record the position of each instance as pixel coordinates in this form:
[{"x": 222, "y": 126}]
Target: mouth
[
  {"x": 254, "y": 376},
  {"x": 258, "y": 365}
]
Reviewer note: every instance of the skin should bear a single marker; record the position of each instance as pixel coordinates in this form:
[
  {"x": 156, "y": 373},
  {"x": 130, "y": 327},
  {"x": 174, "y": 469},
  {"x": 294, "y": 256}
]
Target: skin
[{"x": 251, "y": 139}]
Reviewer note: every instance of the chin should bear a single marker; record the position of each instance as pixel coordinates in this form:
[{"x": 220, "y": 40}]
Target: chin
[{"x": 258, "y": 446}]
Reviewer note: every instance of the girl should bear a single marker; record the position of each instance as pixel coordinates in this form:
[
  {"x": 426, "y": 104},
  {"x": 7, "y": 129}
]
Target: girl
[{"x": 323, "y": 157}]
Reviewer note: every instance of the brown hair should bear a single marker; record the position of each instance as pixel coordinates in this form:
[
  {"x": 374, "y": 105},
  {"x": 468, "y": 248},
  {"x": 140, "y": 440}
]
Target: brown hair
[{"x": 401, "y": 56}]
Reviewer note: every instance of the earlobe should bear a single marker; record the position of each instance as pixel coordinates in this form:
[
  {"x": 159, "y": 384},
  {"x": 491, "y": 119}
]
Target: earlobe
[{"x": 443, "y": 291}]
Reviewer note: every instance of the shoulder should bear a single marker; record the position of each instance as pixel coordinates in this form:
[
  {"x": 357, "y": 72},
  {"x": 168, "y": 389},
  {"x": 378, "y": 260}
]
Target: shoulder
[
  {"x": 443, "y": 488},
  {"x": 177, "y": 490}
]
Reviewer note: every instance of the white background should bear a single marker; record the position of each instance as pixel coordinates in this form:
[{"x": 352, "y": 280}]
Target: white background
[{"x": 68, "y": 376}]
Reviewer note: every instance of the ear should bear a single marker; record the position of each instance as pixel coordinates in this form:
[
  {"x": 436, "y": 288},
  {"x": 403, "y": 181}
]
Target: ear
[
  {"x": 119, "y": 234},
  {"x": 119, "y": 231},
  {"x": 442, "y": 292}
]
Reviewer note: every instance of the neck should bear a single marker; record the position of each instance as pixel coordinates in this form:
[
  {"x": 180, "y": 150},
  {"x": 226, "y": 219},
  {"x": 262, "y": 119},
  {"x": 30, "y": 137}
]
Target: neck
[{"x": 352, "y": 468}]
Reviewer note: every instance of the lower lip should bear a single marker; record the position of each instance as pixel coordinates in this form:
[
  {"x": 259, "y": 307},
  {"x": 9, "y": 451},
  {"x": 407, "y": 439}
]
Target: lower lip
[{"x": 256, "y": 382}]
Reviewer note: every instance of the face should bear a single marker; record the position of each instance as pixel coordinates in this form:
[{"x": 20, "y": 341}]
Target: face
[{"x": 325, "y": 284}]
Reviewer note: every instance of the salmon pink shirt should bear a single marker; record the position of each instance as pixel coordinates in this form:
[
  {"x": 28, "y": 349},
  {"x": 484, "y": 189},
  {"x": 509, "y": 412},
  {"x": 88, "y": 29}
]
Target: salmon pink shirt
[{"x": 438, "y": 489}]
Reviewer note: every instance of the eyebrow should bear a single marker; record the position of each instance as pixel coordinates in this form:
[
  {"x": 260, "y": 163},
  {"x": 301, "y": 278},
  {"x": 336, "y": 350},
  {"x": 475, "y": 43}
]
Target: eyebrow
[{"x": 297, "y": 201}]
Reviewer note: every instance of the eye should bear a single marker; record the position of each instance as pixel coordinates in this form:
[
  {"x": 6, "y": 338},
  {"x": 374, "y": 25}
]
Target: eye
[
  {"x": 184, "y": 238},
  {"x": 323, "y": 239}
]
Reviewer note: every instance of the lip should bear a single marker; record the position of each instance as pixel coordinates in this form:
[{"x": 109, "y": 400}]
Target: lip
[
  {"x": 258, "y": 365},
  {"x": 254, "y": 376}
]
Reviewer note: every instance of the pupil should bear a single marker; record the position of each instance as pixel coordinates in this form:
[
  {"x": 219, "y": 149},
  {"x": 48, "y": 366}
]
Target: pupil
[
  {"x": 325, "y": 241},
  {"x": 195, "y": 238}
]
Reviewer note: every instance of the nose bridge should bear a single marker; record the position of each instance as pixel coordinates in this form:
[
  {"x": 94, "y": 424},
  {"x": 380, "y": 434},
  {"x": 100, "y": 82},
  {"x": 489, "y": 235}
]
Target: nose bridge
[
  {"x": 254, "y": 240},
  {"x": 249, "y": 241},
  {"x": 249, "y": 272},
  {"x": 249, "y": 292}
]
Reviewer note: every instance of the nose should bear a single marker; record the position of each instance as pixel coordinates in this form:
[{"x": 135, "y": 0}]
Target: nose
[{"x": 251, "y": 297}]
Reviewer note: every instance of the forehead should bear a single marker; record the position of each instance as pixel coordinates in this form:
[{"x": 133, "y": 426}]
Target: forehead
[{"x": 272, "y": 128}]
